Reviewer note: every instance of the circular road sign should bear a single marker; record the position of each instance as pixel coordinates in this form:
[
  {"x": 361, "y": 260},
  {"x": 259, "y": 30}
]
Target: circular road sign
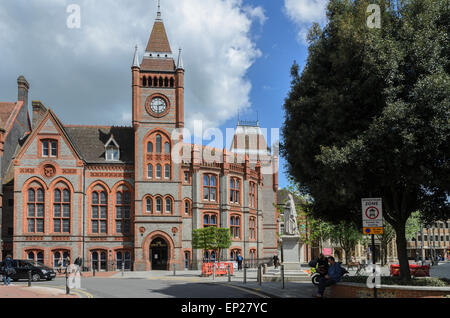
[{"x": 372, "y": 212}]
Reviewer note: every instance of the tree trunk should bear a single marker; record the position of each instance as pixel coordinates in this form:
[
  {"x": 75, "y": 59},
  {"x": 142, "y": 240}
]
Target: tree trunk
[{"x": 405, "y": 274}]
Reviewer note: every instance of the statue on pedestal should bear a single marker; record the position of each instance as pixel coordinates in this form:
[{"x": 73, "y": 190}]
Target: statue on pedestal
[{"x": 290, "y": 218}]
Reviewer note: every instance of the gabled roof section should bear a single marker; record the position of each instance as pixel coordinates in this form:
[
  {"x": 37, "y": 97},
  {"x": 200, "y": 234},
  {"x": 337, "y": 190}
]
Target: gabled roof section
[
  {"x": 50, "y": 115},
  {"x": 158, "y": 41}
]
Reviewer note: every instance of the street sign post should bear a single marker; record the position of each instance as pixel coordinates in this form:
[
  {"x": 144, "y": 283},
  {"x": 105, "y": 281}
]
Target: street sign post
[{"x": 372, "y": 213}]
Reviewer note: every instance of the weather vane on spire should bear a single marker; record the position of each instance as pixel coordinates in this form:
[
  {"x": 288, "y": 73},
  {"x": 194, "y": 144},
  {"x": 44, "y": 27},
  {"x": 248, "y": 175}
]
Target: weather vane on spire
[{"x": 159, "y": 9}]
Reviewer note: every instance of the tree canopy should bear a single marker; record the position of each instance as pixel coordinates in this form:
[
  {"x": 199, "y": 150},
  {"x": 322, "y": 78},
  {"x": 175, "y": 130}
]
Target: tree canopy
[{"x": 369, "y": 116}]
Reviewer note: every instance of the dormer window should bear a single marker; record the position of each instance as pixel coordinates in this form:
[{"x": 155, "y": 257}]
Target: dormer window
[{"x": 112, "y": 150}]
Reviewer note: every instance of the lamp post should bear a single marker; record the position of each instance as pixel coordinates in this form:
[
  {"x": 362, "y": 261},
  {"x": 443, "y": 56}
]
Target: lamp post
[{"x": 421, "y": 240}]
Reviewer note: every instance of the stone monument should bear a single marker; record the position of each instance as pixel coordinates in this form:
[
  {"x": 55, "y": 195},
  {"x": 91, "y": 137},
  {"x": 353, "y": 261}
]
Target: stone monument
[{"x": 291, "y": 237}]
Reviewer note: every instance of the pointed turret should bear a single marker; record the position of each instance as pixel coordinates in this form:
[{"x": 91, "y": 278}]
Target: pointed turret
[
  {"x": 180, "y": 61},
  {"x": 136, "y": 58}
]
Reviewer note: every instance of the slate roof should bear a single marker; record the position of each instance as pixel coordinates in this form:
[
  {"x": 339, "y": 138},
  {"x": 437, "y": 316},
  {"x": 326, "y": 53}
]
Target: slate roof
[
  {"x": 158, "y": 41},
  {"x": 6, "y": 110},
  {"x": 149, "y": 64},
  {"x": 90, "y": 142}
]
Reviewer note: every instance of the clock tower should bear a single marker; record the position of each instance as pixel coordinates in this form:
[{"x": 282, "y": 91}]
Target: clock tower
[
  {"x": 158, "y": 109},
  {"x": 158, "y": 83}
]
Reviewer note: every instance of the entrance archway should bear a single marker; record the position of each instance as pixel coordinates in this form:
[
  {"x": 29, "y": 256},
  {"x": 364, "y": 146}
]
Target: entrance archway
[{"x": 159, "y": 254}]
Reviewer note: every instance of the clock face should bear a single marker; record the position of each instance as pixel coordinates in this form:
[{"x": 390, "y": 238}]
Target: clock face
[{"x": 158, "y": 105}]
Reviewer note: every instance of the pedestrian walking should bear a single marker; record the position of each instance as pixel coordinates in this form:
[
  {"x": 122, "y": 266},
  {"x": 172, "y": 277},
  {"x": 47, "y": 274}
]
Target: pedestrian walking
[
  {"x": 239, "y": 261},
  {"x": 60, "y": 265},
  {"x": 8, "y": 270},
  {"x": 276, "y": 261}
]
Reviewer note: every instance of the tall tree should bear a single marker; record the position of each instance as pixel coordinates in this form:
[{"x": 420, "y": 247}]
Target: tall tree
[
  {"x": 211, "y": 238},
  {"x": 370, "y": 114},
  {"x": 347, "y": 235}
]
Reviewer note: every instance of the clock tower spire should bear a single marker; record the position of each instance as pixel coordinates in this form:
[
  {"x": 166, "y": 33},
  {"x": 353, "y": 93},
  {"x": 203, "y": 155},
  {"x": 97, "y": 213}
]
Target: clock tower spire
[{"x": 160, "y": 100}]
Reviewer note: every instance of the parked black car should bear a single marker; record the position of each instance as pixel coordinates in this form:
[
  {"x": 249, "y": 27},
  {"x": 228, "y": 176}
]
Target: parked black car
[{"x": 38, "y": 270}]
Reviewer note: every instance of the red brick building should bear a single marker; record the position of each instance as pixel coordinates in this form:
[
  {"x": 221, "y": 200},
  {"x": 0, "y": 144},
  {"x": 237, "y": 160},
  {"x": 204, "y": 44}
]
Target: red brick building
[{"x": 131, "y": 196}]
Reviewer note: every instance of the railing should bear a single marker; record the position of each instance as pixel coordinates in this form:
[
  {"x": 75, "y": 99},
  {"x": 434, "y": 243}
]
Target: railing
[
  {"x": 254, "y": 263},
  {"x": 90, "y": 265}
]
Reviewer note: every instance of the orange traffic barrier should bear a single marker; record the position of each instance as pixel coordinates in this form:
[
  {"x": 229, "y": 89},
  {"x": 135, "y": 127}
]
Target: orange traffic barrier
[{"x": 221, "y": 268}]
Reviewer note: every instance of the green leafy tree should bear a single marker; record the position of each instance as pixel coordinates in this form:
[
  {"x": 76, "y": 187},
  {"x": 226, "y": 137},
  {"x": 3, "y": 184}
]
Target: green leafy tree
[
  {"x": 385, "y": 239},
  {"x": 370, "y": 114},
  {"x": 347, "y": 235},
  {"x": 211, "y": 238}
]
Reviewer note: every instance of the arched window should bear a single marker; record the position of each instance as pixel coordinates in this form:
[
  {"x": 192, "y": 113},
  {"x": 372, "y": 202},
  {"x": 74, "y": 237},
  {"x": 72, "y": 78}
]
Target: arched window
[
  {"x": 155, "y": 81},
  {"x": 149, "y": 205},
  {"x": 99, "y": 212},
  {"x": 35, "y": 210},
  {"x": 158, "y": 205},
  {"x": 149, "y": 81},
  {"x": 123, "y": 258},
  {"x": 158, "y": 143},
  {"x": 36, "y": 256},
  {"x": 168, "y": 205},
  {"x": 187, "y": 207},
  {"x": 252, "y": 195},
  {"x": 209, "y": 187},
  {"x": 61, "y": 211},
  {"x": 209, "y": 219},
  {"x": 149, "y": 147},
  {"x": 167, "y": 148},
  {"x": 144, "y": 81},
  {"x": 158, "y": 171},
  {"x": 252, "y": 228},
  {"x": 161, "y": 82},
  {"x": 172, "y": 82},
  {"x": 166, "y": 82},
  {"x": 123, "y": 211},
  {"x": 167, "y": 172},
  {"x": 235, "y": 226},
  {"x": 149, "y": 171},
  {"x": 61, "y": 259},
  {"x": 99, "y": 264},
  {"x": 234, "y": 190}
]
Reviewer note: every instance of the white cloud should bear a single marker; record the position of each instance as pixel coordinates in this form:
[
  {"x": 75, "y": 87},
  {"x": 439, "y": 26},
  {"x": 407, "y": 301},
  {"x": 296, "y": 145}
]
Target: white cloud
[
  {"x": 305, "y": 12},
  {"x": 84, "y": 74}
]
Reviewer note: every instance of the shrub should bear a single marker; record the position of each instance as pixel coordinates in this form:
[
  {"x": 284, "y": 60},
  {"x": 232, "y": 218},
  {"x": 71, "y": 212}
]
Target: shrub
[{"x": 388, "y": 280}]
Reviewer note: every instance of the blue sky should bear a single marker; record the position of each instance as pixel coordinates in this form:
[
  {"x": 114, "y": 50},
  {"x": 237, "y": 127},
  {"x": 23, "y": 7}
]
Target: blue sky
[{"x": 237, "y": 56}]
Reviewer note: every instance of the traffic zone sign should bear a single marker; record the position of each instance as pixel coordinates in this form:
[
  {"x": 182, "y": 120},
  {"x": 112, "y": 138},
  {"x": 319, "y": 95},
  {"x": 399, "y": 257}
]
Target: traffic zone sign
[
  {"x": 372, "y": 214},
  {"x": 373, "y": 230}
]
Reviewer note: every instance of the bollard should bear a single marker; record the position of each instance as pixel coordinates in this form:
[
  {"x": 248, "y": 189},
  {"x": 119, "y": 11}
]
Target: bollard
[
  {"x": 123, "y": 268},
  {"x": 174, "y": 269},
  {"x": 260, "y": 275},
  {"x": 67, "y": 283},
  {"x": 282, "y": 275},
  {"x": 245, "y": 275},
  {"x": 93, "y": 273},
  {"x": 29, "y": 278},
  {"x": 229, "y": 273}
]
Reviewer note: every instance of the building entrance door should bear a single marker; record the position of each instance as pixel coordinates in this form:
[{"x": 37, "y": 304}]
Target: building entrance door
[{"x": 159, "y": 254}]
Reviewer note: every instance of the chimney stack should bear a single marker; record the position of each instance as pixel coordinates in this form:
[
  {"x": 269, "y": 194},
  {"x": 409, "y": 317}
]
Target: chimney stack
[
  {"x": 39, "y": 111},
  {"x": 23, "y": 87}
]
